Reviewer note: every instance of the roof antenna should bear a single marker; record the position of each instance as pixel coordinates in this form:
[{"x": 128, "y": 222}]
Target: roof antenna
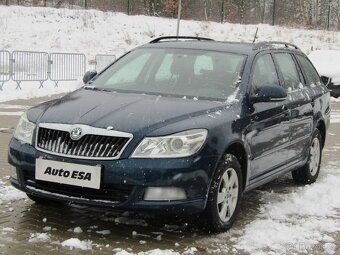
[{"x": 255, "y": 37}]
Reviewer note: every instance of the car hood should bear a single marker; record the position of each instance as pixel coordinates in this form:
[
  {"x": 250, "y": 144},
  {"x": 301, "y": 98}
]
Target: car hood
[{"x": 126, "y": 112}]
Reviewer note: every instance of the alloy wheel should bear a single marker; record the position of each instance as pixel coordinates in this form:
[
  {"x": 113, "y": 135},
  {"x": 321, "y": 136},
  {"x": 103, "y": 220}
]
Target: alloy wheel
[{"x": 227, "y": 195}]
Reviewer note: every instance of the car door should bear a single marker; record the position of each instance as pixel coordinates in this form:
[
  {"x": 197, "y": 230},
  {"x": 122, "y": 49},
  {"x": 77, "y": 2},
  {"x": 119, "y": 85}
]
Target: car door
[
  {"x": 268, "y": 134},
  {"x": 299, "y": 103}
]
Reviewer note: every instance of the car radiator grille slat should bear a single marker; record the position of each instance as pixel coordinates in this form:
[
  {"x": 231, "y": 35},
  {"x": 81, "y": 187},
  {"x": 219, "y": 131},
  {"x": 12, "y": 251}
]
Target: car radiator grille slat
[{"x": 95, "y": 146}]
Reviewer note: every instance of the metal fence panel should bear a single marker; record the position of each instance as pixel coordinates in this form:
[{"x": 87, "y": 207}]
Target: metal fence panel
[
  {"x": 5, "y": 67},
  {"x": 103, "y": 61},
  {"x": 66, "y": 66},
  {"x": 29, "y": 66}
]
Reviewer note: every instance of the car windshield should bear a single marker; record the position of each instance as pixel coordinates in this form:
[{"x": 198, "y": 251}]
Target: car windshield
[{"x": 176, "y": 72}]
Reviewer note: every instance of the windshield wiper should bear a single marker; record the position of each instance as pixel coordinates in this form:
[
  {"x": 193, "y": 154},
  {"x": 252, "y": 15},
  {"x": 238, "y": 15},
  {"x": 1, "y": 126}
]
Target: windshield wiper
[{"x": 97, "y": 89}]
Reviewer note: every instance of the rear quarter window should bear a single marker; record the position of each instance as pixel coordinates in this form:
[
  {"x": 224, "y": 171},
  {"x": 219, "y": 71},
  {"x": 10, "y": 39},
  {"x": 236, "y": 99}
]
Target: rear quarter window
[{"x": 312, "y": 76}]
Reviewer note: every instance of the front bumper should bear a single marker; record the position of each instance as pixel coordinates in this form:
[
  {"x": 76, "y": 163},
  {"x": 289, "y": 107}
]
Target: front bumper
[{"x": 123, "y": 181}]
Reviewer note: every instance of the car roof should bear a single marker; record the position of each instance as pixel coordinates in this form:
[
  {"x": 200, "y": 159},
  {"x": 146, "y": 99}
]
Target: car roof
[{"x": 211, "y": 45}]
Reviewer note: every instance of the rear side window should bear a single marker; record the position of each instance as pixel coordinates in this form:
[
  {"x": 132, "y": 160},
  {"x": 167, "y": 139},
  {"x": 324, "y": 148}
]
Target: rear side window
[
  {"x": 264, "y": 73},
  {"x": 309, "y": 70},
  {"x": 289, "y": 71}
]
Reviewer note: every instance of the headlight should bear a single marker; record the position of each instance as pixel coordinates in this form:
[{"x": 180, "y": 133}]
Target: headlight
[
  {"x": 178, "y": 145},
  {"x": 24, "y": 130}
]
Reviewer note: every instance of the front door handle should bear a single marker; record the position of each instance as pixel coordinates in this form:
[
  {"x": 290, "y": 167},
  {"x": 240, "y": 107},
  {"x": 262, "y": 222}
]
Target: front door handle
[
  {"x": 312, "y": 102},
  {"x": 287, "y": 112}
]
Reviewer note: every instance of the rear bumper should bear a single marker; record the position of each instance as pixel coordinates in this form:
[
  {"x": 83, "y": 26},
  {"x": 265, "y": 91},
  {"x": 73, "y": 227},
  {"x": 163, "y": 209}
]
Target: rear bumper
[{"x": 123, "y": 182}]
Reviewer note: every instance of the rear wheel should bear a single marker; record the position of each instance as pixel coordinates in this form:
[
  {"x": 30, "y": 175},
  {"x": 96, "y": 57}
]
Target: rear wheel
[
  {"x": 310, "y": 171},
  {"x": 224, "y": 196}
]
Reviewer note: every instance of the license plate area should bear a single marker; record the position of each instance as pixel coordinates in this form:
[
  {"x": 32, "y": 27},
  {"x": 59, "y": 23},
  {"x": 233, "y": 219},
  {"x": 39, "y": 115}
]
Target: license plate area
[{"x": 68, "y": 173}]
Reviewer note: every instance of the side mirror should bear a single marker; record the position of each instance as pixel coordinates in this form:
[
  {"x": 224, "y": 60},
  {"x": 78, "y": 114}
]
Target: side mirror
[
  {"x": 270, "y": 93},
  {"x": 326, "y": 80},
  {"x": 89, "y": 75}
]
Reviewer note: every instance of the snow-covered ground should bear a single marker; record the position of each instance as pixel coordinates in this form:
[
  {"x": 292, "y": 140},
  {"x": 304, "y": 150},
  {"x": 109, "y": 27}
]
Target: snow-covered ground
[
  {"x": 94, "y": 32},
  {"x": 300, "y": 220}
]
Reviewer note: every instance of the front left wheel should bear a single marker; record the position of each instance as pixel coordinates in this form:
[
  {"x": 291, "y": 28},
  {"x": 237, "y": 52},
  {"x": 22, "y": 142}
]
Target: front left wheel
[{"x": 224, "y": 195}]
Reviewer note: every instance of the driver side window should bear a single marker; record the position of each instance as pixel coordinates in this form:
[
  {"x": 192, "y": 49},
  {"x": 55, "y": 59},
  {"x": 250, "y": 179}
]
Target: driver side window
[{"x": 264, "y": 73}]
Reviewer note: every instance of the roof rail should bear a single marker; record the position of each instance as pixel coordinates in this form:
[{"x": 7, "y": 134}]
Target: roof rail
[
  {"x": 180, "y": 37},
  {"x": 268, "y": 44}
]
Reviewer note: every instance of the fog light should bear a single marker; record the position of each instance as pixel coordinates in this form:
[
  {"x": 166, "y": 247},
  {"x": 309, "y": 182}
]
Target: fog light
[
  {"x": 13, "y": 172},
  {"x": 164, "y": 193}
]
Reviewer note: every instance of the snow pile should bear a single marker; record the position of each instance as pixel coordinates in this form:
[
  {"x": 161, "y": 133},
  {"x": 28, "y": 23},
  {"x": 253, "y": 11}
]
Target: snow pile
[
  {"x": 8, "y": 230},
  {"x": 104, "y": 232},
  {"x": 75, "y": 243},
  {"x": 297, "y": 221},
  {"x": 39, "y": 237},
  {"x": 9, "y": 193},
  {"x": 77, "y": 230},
  {"x": 327, "y": 63},
  {"x": 95, "y": 32}
]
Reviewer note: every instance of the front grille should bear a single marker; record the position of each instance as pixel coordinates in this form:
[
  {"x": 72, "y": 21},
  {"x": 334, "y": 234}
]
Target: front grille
[
  {"x": 116, "y": 193},
  {"x": 94, "y": 146}
]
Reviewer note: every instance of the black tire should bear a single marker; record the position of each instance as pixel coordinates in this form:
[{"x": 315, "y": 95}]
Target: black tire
[
  {"x": 309, "y": 172},
  {"x": 213, "y": 221}
]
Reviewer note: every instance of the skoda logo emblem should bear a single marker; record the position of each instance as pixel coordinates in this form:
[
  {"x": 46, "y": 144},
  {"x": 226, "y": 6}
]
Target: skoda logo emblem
[{"x": 76, "y": 133}]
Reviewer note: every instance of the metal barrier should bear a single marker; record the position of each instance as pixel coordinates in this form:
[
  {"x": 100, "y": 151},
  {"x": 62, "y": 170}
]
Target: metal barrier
[
  {"x": 66, "y": 66},
  {"x": 5, "y": 67},
  {"x": 40, "y": 66},
  {"x": 102, "y": 61},
  {"x": 29, "y": 66}
]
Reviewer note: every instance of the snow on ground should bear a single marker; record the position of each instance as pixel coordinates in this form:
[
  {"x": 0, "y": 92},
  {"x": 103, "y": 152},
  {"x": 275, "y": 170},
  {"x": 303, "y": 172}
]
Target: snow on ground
[
  {"x": 95, "y": 32},
  {"x": 9, "y": 194},
  {"x": 287, "y": 222},
  {"x": 39, "y": 237},
  {"x": 298, "y": 221},
  {"x": 75, "y": 243},
  {"x": 31, "y": 90},
  {"x": 151, "y": 252},
  {"x": 335, "y": 116}
]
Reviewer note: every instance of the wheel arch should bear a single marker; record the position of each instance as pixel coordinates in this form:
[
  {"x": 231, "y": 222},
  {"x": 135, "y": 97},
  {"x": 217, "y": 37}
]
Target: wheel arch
[
  {"x": 237, "y": 149},
  {"x": 321, "y": 126}
]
